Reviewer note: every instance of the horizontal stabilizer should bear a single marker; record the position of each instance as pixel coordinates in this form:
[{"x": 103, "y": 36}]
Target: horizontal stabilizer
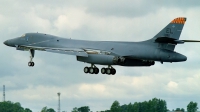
[
  {"x": 191, "y": 40},
  {"x": 169, "y": 40}
]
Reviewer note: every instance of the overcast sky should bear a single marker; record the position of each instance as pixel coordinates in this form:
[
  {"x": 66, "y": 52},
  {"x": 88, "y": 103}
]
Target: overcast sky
[{"x": 113, "y": 20}]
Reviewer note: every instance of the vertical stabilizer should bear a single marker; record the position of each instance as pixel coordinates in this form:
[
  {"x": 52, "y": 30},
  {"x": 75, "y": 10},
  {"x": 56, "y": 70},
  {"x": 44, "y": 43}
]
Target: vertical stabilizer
[
  {"x": 171, "y": 32},
  {"x": 173, "y": 29}
]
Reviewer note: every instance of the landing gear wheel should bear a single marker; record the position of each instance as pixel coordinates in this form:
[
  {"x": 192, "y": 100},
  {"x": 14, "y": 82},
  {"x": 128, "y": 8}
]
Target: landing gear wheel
[
  {"x": 86, "y": 69},
  {"x": 96, "y": 70},
  {"x": 91, "y": 70},
  {"x": 153, "y": 63},
  {"x": 31, "y": 64},
  {"x": 103, "y": 70},
  {"x": 113, "y": 71},
  {"x": 108, "y": 71}
]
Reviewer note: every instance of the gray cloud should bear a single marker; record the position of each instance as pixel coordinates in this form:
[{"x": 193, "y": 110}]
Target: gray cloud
[{"x": 136, "y": 8}]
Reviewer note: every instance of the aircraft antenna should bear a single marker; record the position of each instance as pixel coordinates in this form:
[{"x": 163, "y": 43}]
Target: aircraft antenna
[
  {"x": 59, "y": 102},
  {"x": 4, "y": 96}
]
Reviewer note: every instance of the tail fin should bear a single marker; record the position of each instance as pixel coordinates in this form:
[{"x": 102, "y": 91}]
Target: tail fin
[
  {"x": 173, "y": 29},
  {"x": 170, "y": 33}
]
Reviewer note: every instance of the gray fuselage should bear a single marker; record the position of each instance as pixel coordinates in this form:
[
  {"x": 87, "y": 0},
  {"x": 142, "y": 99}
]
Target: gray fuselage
[{"x": 145, "y": 50}]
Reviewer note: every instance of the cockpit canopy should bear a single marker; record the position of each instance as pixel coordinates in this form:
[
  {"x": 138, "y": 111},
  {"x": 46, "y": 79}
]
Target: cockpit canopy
[{"x": 23, "y": 35}]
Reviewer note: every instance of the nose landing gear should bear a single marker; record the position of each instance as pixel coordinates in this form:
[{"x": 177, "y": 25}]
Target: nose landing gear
[{"x": 31, "y": 63}]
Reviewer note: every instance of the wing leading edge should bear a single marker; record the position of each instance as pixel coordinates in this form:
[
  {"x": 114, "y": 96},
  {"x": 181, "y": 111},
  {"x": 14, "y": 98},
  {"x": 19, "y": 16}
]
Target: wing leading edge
[{"x": 69, "y": 51}]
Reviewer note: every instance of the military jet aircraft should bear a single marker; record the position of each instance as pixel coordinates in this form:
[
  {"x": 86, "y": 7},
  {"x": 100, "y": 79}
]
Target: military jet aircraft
[{"x": 159, "y": 48}]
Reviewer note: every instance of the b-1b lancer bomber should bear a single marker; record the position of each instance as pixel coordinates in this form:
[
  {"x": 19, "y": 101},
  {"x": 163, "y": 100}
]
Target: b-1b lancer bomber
[{"x": 159, "y": 48}]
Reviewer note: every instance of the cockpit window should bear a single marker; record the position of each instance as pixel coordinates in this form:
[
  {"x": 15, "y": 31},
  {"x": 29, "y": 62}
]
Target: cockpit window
[{"x": 23, "y": 35}]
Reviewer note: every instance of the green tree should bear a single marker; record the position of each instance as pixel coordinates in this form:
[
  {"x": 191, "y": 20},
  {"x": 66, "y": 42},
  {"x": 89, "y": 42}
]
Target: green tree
[
  {"x": 178, "y": 109},
  {"x": 144, "y": 106},
  {"x": 50, "y": 110},
  {"x": 84, "y": 109},
  {"x": 124, "y": 108},
  {"x": 192, "y": 107},
  {"x": 136, "y": 107},
  {"x": 115, "y": 107},
  {"x": 130, "y": 108},
  {"x": 75, "y": 109},
  {"x": 183, "y": 110},
  {"x": 162, "y": 106},
  {"x": 9, "y": 106},
  {"x": 157, "y": 105},
  {"x": 44, "y": 109},
  {"x": 27, "y": 110}
]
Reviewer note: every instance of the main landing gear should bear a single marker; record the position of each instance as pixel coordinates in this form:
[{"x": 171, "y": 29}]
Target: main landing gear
[
  {"x": 31, "y": 63},
  {"x": 109, "y": 70},
  {"x": 94, "y": 70}
]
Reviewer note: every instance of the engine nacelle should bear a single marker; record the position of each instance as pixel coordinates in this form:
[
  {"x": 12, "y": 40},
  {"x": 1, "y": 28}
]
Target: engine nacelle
[
  {"x": 102, "y": 59},
  {"x": 137, "y": 62},
  {"x": 118, "y": 60},
  {"x": 148, "y": 62}
]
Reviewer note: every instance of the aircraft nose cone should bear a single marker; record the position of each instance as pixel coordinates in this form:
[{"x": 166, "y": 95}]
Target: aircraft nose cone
[
  {"x": 184, "y": 58},
  {"x": 12, "y": 42},
  {"x": 6, "y": 42},
  {"x": 9, "y": 43}
]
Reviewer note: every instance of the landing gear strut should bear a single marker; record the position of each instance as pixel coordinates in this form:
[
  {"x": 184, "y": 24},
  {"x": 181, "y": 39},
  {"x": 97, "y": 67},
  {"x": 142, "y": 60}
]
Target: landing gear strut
[{"x": 31, "y": 63}]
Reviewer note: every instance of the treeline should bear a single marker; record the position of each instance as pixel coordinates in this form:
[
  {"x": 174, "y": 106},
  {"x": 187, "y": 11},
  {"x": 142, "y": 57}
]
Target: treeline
[
  {"x": 81, "y": 109},
  {"x": 8, "y": 106},
  {"x": 153, "y": 105}
]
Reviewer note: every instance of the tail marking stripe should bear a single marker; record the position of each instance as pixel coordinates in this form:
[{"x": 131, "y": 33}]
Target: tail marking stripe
[{"x": 180, "y": 20}]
